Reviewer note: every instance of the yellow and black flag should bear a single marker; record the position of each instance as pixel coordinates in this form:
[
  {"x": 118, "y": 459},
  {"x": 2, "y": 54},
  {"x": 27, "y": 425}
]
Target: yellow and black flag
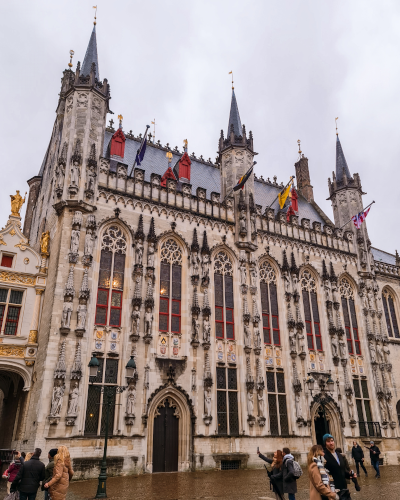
[
  {"x": 243, "y": 179},
  {"x": 282, "y": 196}
]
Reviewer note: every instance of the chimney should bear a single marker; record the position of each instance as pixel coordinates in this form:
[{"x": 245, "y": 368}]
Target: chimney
[{"x": 303, "y": 179}]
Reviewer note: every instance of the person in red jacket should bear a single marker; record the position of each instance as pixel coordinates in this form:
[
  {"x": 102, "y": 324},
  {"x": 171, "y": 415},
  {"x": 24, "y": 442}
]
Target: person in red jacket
[{"x": 13, "y": 469}]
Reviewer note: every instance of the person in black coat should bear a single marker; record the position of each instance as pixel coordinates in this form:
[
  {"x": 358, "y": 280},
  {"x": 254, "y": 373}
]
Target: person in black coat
[
  {"x": 29, "y": 476},
  {"x": 335, "y": 463},
  {"x": 374, "y": 453},
  {"x": 287, "y": 474},
  {"x": 276, "y": 464},
  {"x": 358, "y": 457}
]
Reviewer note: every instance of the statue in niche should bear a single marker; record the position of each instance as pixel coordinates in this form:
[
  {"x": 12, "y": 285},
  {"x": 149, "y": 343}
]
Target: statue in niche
[
  {"x": 150, "y": 254},
  {"x": 364, "y": 259},
  {"x": 297, "y": 400},
  {"x": 295, "y": 283},
  {"x": 89, "y": 242},
  {"x": 74, "y": 241},
  {"x": 75, "y": 174},
  {"x": 300, "y": 338},
  {"x": 292, "y": 341},
  {"x": 372, "y": 350},
  {"x": 342, "y": 348},
  {"x": 148, "y": 321},
  {"x": 207, "y": 403},
  {"x": 243, "y": 273},
  {"x": 135, "y": 320},
  {"x": 139, "y": 252},
  {"x": 383, "y": 409},
  {"x": 390, "y": 409},
  {"x": 253, "y": 222},
  {"x": 334, "y": 293},
  {"x": 242, "y": 222},
  {"x": 379, "y": 354},
  {"x": 56, "y": 401},
  {"x": 250, "y": 403},
  {"x": 90, "y": 180},
  {"x": 194, "y": 263},
  {"x": 261, "y": 404},
  {"x": 386, "y": 352},
  {"x": 73, "y": 401},
  {"x": 364, "y": 300},
  {"x": 205, "y": 266},
  {"x": 66, "y": 315},
  {"x": 247, "y": 336},
  {"x": 327, "y": 289},
  {"x": 60, "y": 174},
  {"x": 253, "y": 276},
  {"x": 130, "y": 400},
  {"x": 257, "y": 338},
  {"x": 81, "y": 313},
  {"x": 195, "y": 328},
  {"x": 206, "y": 329},
  {"x": 45, "y": 242},
  {"x": 287, "y": 281},
  {"x": 335, "y": 347},
  {"x": 350, "y": 406},
  {"x": 370, "y": 295}
]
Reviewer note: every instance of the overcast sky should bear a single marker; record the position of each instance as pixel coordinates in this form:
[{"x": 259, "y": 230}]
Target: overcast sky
[{"x": 297, "y": 65}]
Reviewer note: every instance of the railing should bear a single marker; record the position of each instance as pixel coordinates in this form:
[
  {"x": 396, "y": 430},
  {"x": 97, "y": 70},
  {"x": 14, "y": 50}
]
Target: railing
[{"x": 370, "y": 429}]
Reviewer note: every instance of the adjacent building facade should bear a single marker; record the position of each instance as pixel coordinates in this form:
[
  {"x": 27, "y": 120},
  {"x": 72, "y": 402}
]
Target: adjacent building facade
[{"x": 228, "y": 305}]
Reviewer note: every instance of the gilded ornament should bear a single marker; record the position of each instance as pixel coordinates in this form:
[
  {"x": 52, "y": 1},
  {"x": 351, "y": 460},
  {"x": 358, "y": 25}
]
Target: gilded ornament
[
  {"x": 44, "y": 242},
  {"x": 2, "y": 242},
  {"x": 29, "y": 362},
  {"x": 16, "y": 204},
  {"x": 12, "y": 351},
  {"x": 39, "y": 291},
  {"x": 26, "y": 261},
  {"x": 13, "y": 232},
  {"x": 17, "y": 278},
  {"x": 33, "y": 336}
]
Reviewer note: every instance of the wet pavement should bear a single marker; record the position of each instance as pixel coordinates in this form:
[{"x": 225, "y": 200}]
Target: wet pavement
[{"x": 232, "y": 485}]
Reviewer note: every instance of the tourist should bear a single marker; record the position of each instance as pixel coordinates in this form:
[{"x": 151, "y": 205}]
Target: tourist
[
  {"x": 374, "y": 453},
  {"x": 346, "y": 463},
  {"x": 48, "y": 473},
  {"x": 28, "y": 456},
  {"x": 319, "y": 479},
  {"x": 336, "y": 465},
  {"x": 276, "y": 465},
  {"x": 29, "y": 476},
  {"x": 11, "y": 473},
  {"x": 287, "y": 474},
  {"x": 62, "y": 474},
  {"x": 358, "y": 457}
]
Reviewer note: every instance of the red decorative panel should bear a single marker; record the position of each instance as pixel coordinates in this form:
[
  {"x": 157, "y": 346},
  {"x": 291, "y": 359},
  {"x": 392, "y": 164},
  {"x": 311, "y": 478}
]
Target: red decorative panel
[
  {"x": 118, "y": 144},
  {"x": 168, "y": 175},
  {"x": 184, "y": 166}
]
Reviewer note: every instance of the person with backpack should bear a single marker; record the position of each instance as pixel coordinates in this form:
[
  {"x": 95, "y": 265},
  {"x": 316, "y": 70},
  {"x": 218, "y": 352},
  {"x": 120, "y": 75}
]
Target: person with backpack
[{"x": 290, "y": 472}]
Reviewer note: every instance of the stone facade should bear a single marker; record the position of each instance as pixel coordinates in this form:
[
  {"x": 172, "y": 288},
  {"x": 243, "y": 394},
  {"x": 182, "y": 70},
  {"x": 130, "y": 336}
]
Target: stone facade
[{"x": 226, "y": 306}]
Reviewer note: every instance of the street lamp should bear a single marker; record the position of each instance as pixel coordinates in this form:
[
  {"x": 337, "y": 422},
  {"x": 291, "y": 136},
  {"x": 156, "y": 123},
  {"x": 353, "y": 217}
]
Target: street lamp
[
  {"x": 109, "y": 391},
  {"x": 322, "y": 398}
]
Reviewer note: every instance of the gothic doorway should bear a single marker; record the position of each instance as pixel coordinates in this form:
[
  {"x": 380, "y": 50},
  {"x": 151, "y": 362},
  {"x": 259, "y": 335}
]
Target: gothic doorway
[
  {"x": 334, "y": 420},
  {"x": 165, "y": 438},
  {"x": 319, "y": 425}
]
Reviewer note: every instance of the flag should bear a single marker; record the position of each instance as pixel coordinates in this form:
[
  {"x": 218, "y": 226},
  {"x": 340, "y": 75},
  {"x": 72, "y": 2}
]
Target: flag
[
  {"x": 243, "y": 179},
  {"x": 360, "y": 218},
  {"x": 141, "y": 152},
  {"x": 282, "y": 196},
  {"x": 289, "y": 213}
]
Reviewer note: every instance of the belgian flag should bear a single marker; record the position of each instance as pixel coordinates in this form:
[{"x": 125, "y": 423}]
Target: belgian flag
[{"x": 243, "y": 179}]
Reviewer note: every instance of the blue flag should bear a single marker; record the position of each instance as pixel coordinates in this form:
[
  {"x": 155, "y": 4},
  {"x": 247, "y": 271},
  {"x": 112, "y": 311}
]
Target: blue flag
[{"x": 140, "y": 153}]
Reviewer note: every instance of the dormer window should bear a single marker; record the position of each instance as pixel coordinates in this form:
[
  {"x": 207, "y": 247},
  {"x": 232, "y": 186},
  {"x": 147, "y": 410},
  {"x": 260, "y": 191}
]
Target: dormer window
[
  {"x": 118, "y": 144},
  {"x": 7, "y": 260}
]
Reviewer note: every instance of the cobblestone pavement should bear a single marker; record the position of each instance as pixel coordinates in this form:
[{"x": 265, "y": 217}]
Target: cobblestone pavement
[{"x": 232, "y": 485}]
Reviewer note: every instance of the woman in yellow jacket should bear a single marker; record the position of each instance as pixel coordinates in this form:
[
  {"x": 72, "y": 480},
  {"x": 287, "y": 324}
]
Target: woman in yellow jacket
[{"x": 62, "y": 474}]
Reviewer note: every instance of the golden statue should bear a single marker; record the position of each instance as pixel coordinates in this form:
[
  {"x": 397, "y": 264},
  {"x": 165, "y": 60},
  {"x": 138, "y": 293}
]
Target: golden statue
[
  {"x": 16, "y": 203},
  {"x": 44, "y": 242}
]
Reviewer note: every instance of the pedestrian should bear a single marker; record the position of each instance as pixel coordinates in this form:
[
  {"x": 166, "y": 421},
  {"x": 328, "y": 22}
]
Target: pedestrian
[
  {"x": 346, "y": 463},
  {"x": 28, "y": 456},
  {"x": 62, "y": 474},
  {"x": 374, "y": 453},
  {"x": 48, "y": 473},
  {"x": 11, "y": 473},
  {"x": 29, "y": 476},
  {"x": 287, "y": 474},
  {"x": 336, "y": 465},
  {"x": 319, "y": 479},
  {"x": 358, "y": 457},
  {"x": 276, "y": 465}
]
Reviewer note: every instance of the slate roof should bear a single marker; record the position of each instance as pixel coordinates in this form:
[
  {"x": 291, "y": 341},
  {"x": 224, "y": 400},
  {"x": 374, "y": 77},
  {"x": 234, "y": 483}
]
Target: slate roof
[
  {"x": 382, "y": 256},
  {"x": 91, "y": 56},
  {"x": 234, "y": 117},
  {"x": 341, "y": 163},
  {"x": 202, "y": 175}
]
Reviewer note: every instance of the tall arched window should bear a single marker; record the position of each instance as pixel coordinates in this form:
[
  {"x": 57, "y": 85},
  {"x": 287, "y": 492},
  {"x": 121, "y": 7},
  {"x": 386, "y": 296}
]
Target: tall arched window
[
  {"x": 311, "y": 314},
  {"x": 223, "y": 289},
  {"x": 170, "y": 287},
  {"x": 111, "y": 277},
  {"x": 350, "y": 318},
  {"x": 269, "y": 303},
  {"x": 390, "y": 314}
]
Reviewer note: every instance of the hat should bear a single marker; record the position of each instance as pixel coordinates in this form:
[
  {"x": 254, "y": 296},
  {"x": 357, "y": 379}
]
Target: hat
[
  {"x": 326, "y": 436},
  {"x": 371, "y": 442},
  {"x": 53, "y": 452}
]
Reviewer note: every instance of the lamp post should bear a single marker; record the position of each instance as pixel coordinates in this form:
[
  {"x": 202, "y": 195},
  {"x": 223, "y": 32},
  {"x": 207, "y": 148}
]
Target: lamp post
[
  {"x": 322, "y": 398},
  {"x": 109, "y": 392}
]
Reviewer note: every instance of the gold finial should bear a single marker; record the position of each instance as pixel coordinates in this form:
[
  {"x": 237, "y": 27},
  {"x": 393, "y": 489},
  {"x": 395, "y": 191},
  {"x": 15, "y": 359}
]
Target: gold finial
[
  {"x": 95, "y": 14},
  {"x": 120, "y": 118},
  {"x": 298, "y": 142},
  {"x": 231, "y": 73},
  {"x": 169, "y": 156},
  {"x": 16, "y": 203},
  {"x": 185, "y": 145},
  {"x": 336, "y": 119},
  {"x": 71, "y": 55},
  {"x": 154, "y": 130}
]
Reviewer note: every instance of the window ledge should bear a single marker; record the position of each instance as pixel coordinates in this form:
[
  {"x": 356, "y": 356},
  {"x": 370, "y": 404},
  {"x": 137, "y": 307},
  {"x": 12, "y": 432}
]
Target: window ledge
[{"x": 14, "y": 337}]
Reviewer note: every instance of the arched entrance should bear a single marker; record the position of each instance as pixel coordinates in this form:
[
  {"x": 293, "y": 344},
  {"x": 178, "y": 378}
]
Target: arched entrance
[
  {"x": 319, "y": 426},
  {"x": 165, "y": 437},
  {"x": 12, "y": 405},
  {"x": 334, "y": 419}
]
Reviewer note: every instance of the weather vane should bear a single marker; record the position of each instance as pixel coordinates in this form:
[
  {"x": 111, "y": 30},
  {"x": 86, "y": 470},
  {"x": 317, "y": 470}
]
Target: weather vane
[
  {"x": 71, "y": 55},
  {"x": 298, "y": 142},
  {"x": 231, "y": 73},
  {"x": 336, "y": 119},
  {"x": 120, "y": 118},
  {"x": 95, "y": 14},
  {"x": 154, "y": 130}
]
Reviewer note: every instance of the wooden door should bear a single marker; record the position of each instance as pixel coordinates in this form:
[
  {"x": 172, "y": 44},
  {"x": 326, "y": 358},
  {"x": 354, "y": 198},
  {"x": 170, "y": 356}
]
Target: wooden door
[{"x": 165, "y": 440}]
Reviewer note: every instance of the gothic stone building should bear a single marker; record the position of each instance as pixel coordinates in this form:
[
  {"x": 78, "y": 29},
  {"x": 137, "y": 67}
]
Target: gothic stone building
[{"x": 228, "y": 309}]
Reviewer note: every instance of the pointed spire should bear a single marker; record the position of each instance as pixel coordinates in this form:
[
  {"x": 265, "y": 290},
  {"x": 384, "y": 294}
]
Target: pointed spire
[
  {"x": 84, "y": 292},
  {"x": 139, "y": 235},
  {"x": 205, "y": 249},
  {"x": 76, "y": 372},
  {"x": 333, "y": 276},
  {"x": 234, "y": 118},
  {"x": 195, "y": 305},
  {"x": 77, "y": 157},
  {"x": 206, "y": 304},
  {"x": 61, "y": 367},
  {"x": 325, "y": 275},
  {"x": 152, "y": 232},
  {"x": 92, "y": 162},
  {"x": 69, "y": 287},
  {"x": 137, "y": 294},
  {"x": 195, "y": 244},
  {"x": 63, "y": 156},
  {"x": 341, "y": 163},
  {"x": 246, "y": 312},
  {"x": 285, "y": 265},
  {"x": 91, "y": 56},
  {"x": 256, "y": 314},
  {"x": 293, "y": 268}
]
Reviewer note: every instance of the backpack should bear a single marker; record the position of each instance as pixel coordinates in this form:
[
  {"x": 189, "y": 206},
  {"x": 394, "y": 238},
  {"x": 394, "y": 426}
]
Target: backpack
[{"x": 297, "y": 470}]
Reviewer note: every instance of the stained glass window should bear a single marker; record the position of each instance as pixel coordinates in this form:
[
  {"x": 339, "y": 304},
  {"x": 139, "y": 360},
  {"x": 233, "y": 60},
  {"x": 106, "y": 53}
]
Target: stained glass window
[
  {"x": 269, "y": 304},
  {"x": 350, "y": 318},
  {"x": 311, "y": 313},
  {"x": 223, "y": 294},
  {"x": 170, "y": 287}
]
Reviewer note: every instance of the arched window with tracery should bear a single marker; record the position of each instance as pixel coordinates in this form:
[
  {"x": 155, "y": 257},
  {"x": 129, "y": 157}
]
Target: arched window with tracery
[
  {"x": 170, "y": 287},
  {"x": 111, "y": 277},
  {"x": 311, "y": 313},
  {"x": 223, "y": 290},
  {"x": 390, "y": 314},
  {"x": 269, "y": 304},
  {"x": 350, "y": 317}
]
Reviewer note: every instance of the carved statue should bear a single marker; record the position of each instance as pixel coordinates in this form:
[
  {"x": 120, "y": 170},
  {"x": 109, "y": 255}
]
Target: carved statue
[
  {"x": 334, "y": 293},
  {"x": 389, "y": 409},
  {"x": 386, "y": 352},
  {"x": 298, "y": 404},
  {"x": 73, "y": 401},
  {"x": 350, "y": 406},
  {"x": 130, "y": 400},
  {"x": 139, "y": 252},
  {"x": 82, "y": 311},
  {"x": 342, "y": 348},
  {"x": 196, "y": 328},
  {"x": 370, "y": 295},
  {"x": 247, "y": 336},
  {"x": 383, "y": 409},
  {"x": 287, "y": 281},
  {"x": 194, "y": 263},
  {"x": 75, "y": 173},
  {"x": 205, "y": 265},
  {"x": 364, "y": 300},
  {"x": 206, "y": 329},
  {"x": 253, "y": 222},
  {"x": 300, "y": 338},
  {"x": 243, "y": 273},
  {"x": 74, "y": 241},
  {"x": 56, "y": 402},
  {"x": 261, "y": 404},
  {"x": 327, "y": 288},
  {"x": 150, "y": 254},
  {"x": 242, "y": 222},
  {"x": 250, "y": 403},
  {"x": 16, "y": 203},
  {"x": 148, "y": 321},
  {"x": 60, "y": 173},
  {"x": 207, "y": 403},
  {"x": 135, "y": 320},
  {"x": 372, "y": 351},
  {"x": 335, "y": 347},
  {"x": 292, "y": 341},
  {"x": 253, "y": 275},
  {"x": 257, "y": 338},
  {"x": 90, "y": 180},
  {"x": 89, "y": 242},
  {"x": 66, "y": 315},
  {"x": 379, "y": 354},
  {"x": 295, "y": 283},
  {"x": 45, "y": 242}
]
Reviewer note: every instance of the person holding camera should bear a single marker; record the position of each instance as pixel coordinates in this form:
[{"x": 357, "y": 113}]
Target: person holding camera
[{"x": 337, "y": 467}]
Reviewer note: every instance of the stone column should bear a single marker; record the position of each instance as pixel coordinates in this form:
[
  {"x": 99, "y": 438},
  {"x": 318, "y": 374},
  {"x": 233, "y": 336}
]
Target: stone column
[{"x": 33, "y": 332}]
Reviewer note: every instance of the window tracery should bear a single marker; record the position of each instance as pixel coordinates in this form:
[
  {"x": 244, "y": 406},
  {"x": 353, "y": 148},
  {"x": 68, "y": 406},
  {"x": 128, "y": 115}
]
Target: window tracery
[
  {"x": 223, "y": 264},
  {"x": 171, "y": 253},
  {"x": 307, "y": 282},
  {"x": 311, "y": 313},
  {"x": 345, "y": 289},
  {"x": 350, "y": 317},
  {"x": 390, "y": 314},
  {"x": 267, "y": 273},
  {"x": 269, "y": 303},
  {"x": 114, "y": 240},
  {"x": 223, "y": 290}
]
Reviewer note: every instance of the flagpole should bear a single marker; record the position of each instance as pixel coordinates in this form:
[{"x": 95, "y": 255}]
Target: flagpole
[
  {"x": 231, "y": 191},
  {"x": 363, "y": 210},
  {"x": 291, "y": 180},
  {"x": 140, "y": 148}
]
